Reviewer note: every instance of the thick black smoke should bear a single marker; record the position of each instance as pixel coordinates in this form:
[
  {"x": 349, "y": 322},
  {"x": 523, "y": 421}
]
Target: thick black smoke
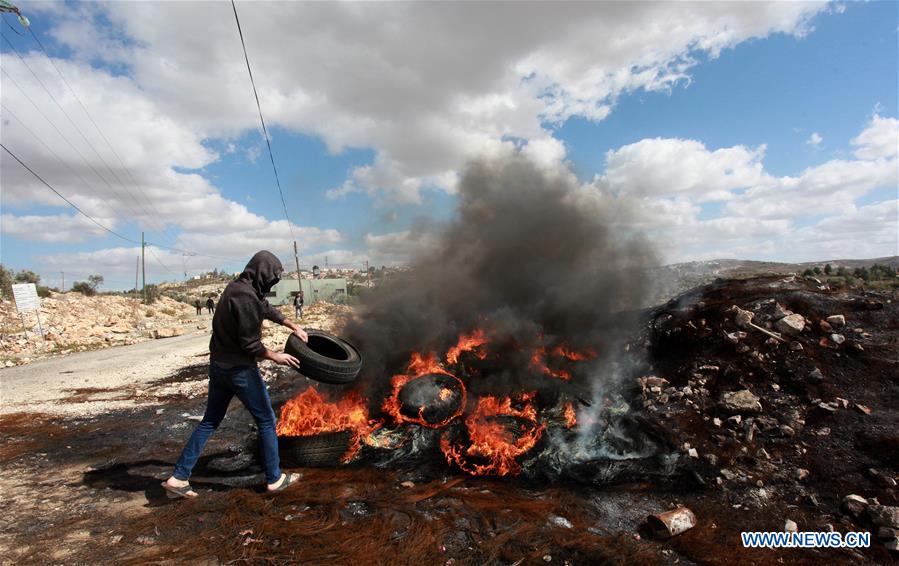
[{"x": 529, "y": 258}]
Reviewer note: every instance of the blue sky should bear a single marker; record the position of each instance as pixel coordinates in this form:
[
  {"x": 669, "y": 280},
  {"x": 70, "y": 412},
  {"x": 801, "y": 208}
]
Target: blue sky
[{"x": 748, "y": 141}]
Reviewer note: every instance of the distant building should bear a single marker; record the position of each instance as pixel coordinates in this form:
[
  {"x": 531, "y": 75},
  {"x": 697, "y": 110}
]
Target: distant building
[{"x": 331, "y": 290}]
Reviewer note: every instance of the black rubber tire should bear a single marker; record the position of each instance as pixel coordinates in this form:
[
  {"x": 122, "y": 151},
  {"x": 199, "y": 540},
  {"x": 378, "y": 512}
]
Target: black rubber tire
[
  {"x": 324, "y": 450},
  {"x": 326, "y": 358}
]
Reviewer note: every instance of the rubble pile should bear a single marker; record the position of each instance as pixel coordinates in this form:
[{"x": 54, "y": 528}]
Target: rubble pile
[
  {"x": 73, "y": 322},
  {"x": 320, "y": 315},
  {"x": 783, "y": 394}
]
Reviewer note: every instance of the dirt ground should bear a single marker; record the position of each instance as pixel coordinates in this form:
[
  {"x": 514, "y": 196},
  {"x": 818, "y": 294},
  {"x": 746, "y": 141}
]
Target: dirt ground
[{"x": 85, "y": 489}]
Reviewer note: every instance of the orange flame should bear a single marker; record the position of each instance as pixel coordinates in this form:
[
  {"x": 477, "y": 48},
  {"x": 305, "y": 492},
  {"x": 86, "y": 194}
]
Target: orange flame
[
  {"x": 492, "y": 441},
  {"x": 419, "y": 365},
  {"x": 309, "y": 414},
  {"x": 468, "y": 343},
  {"x": 570, "y": 416},
  {"x": 538, "y": 359}
]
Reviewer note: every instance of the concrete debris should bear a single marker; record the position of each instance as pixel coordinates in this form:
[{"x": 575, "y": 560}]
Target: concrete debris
[
  {"x": 854, "y": 505},
  {"x": 790, "y": 526},
  {"x": 884, "y": 515},
  {"x": 791, "y": 325},
  {"x": 741, "y": 401},
  {"x": 671, "y": 523}
]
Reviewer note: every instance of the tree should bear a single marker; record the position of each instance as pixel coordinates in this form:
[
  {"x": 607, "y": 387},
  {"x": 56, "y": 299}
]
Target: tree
[
  {"x": 828, "y": 269},
  {"x": 28, "y": 276},
  {"x": 84, "y": 288},
  {"x": 842, "y": 271},
  {"x": 808, "y": 272},
  {"x": 817, "y": 270},
  {"x": 95, "y": 281},
  {"x": 5, "y": 282}
]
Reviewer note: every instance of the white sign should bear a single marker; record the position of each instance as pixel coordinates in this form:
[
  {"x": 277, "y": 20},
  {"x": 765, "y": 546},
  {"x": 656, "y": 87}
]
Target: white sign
[{"x": 26, "y": 297}]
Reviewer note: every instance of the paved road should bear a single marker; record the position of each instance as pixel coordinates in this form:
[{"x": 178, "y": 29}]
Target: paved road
[{"x": 41, "y": 384}]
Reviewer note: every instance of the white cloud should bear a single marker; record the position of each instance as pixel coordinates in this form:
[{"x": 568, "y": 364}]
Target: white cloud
[
  {"x": 428, "y": 86},
  {"x": 672, "y": 167},
  {"x": 668, "y": 188},
  {"x": 879, "y": 140},
  {"x": 814, "y": 139},
  {"x": 53, "y": 228}
]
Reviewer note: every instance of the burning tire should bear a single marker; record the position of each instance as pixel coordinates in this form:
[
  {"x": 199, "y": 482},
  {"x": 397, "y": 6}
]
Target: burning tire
[
  {"x": 432, "y": 399},
  {"x": 325, "y": 357},
  {"x": 323, "y": 450}
]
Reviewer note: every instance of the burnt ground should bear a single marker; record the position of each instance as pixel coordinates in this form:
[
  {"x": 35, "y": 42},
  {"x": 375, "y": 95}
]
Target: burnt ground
[{"x": 86, "y": 490}]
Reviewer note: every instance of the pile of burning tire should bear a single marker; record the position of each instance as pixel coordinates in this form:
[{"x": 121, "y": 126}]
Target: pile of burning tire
[{"x": 486, "y": 436}]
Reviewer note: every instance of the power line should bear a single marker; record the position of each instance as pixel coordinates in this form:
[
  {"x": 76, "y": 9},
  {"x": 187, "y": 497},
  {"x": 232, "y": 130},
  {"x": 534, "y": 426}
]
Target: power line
[
  {"x": 71, "y": 169},
  {"x": 159, "y": 261},
  {"x": 72, "y": 204},
  {"x": 262, "y": 119},
  {"x": 65, "y": 138},
  {"x": 97, "y": 127},
  {"x": 83, "y": 137}
]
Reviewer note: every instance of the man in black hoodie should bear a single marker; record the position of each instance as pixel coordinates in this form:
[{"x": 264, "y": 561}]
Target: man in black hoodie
[{"x": 233, "y": 350}]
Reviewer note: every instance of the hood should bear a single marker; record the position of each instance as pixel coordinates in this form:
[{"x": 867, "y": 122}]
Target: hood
[{"x": 262, "y": 272}]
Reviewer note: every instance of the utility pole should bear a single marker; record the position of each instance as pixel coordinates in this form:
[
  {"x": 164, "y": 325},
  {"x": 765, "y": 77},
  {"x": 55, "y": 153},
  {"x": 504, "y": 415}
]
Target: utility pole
[
  {"x": 326, "y": 262},
  {"x": 136, "y": 272},
  {"x": 296, "y": 257},
  {"x": 63, "y": 281},
  {"x": 143, "y": 268},
  {"x": 367, "y": 273}
]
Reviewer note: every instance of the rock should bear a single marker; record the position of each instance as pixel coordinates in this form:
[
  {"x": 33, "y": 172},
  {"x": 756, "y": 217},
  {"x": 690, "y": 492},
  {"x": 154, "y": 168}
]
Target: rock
[
  {"x": 796, "y": 346},
  {"x": 560, "y": 522},
  {"x": 791, "y": 325},
  {"x": 837, "y": 338},
  {"x": 408, "y": 484},
  {"x": 886, "y": 533},
  {"x": 671, "y": 523},
  {"x": 650, "y": 381},
  {"x": 145, "y": 540},
  {"x": 160, "y": 411},
  {"x": 693, "y": 453},
  {"x": 884, "y": 515},
  {"x": 854, "y": 505},
  {"x": 802, "y": 474},
  {"x": 816, "y": 375},
  {"x": 780, "y": 311},
  {"x": 790, "y": 526},
  {"x": 836, "y": 320},
  {"x": 882, "y": 478},
  {"x": 742, "y": 318},
  {"x": 735, "y": 420},
  {"x": 741, "y": 401},
  {"x": 825, "y": 326}
]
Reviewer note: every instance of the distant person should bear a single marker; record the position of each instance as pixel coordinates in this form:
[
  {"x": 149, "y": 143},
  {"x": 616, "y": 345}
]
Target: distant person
[
  {"x": 298, "y": 301},
  {"x": 233, "y": 350},
  {"x": 210, "y": 305},
  {"x": 199, "y": 306}
]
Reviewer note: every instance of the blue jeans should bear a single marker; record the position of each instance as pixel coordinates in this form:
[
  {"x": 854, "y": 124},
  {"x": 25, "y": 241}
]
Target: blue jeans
[{"x": 224, "y": 384}]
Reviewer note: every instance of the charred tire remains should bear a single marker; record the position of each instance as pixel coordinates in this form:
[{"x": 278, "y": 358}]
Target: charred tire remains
[
  {"x": 325, "y": 357},
  {"x": 320, "y": 450},
  {"x": 434, "y": 398}
]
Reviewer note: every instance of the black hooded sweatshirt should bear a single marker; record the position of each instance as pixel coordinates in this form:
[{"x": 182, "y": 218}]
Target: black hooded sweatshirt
[{"x": 237, "y": 323}]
